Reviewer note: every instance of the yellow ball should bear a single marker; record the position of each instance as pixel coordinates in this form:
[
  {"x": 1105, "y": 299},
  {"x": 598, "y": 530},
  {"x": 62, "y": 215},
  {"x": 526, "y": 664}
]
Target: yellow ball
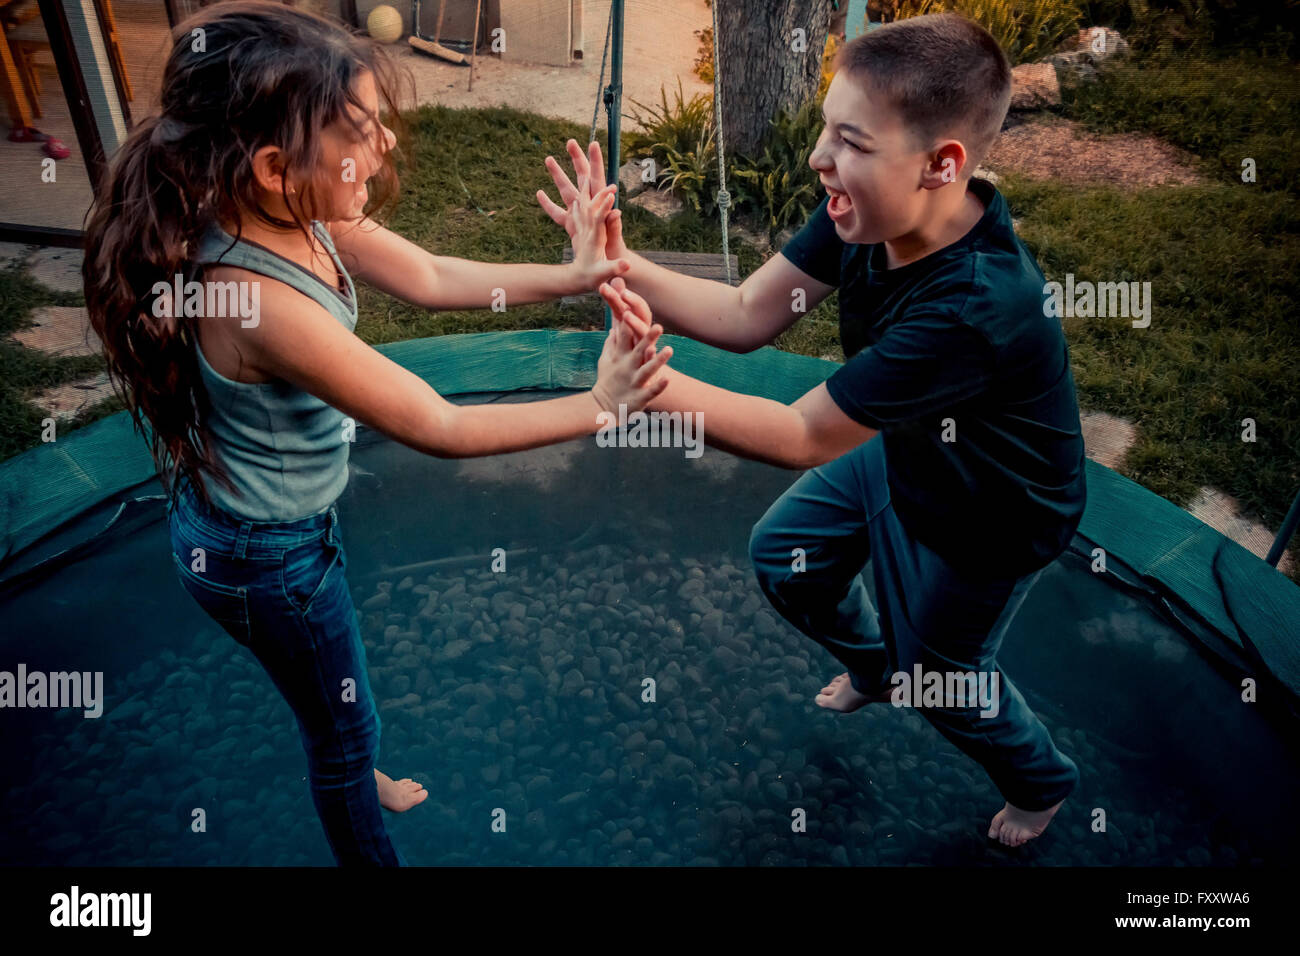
[{"x": 384, "y": 24}]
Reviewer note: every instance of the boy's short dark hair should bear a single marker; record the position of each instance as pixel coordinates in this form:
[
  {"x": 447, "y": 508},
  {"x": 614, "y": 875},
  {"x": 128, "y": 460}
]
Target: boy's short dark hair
[{"x": 944, "y": 74}]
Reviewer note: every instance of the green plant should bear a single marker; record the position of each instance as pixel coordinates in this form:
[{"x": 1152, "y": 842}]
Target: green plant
[
  {"x": 677, "y": 125},
  {"x": 1027, "y": 30},
  {"x": 779, "y": 185},
  {"x": 692, "y": 173},
  {"x": 1170, "y": 24},
  {"x": 679, "y": 137}
]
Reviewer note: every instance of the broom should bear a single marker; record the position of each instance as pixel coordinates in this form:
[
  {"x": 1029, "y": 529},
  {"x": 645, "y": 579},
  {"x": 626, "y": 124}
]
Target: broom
[
  {"x": 473, "y": 56},
  {"x": 432, "y": 47}
]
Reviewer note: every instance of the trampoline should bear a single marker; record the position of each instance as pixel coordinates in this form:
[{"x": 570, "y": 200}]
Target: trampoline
[{"x": 522, "y": 689}]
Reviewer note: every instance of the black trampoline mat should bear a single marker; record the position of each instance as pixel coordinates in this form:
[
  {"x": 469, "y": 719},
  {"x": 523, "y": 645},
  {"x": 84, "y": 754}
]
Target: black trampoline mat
[{"x": 522, "y": 691}]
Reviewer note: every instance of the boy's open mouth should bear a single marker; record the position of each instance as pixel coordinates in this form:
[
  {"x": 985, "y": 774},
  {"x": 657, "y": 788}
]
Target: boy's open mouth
[{"x": 840, "y": 205}]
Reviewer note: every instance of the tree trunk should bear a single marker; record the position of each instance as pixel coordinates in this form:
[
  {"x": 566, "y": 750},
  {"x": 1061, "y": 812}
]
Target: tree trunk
[{"x": 771, "y": 53}]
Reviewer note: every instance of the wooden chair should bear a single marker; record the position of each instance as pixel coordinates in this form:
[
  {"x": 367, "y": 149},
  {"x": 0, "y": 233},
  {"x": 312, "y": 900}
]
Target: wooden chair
[
  {"x": 115, "y": 47},
  {"x": 25, "y": 51},
  {"x": 27, "y": 38}
]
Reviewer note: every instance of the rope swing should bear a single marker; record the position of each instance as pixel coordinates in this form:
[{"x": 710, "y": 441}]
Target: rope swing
[
  {"x": 612, "y": 97},
  {"x": 724, "y": 197}
]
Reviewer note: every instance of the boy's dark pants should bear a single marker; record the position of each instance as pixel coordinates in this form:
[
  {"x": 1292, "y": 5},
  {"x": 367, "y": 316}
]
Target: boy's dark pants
[{"x": 841, "y": 516}]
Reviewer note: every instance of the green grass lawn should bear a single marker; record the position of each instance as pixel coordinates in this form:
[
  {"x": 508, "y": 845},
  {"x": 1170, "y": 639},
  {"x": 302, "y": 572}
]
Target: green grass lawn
[
  {"x": 1222, "y": 262},
  {"x": 25, "y": 371},
  {"x": 1223, "y": 343}
]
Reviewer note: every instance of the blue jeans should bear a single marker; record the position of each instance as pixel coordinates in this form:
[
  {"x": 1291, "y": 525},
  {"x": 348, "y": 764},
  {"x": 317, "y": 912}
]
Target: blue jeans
[
  {"x": 945, "y": 619},
  {"x": 279, "y": 589}
]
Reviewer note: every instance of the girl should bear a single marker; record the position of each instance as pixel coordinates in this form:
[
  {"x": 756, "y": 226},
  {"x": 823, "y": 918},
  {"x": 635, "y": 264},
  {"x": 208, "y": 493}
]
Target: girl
[{"x": 254, "y": 177}]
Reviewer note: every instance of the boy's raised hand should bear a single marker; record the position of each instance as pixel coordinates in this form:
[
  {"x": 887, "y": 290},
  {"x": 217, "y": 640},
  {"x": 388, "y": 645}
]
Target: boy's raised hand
[
  {"x": 590, "y": 173},
  {"x": 629, "y": 366}
]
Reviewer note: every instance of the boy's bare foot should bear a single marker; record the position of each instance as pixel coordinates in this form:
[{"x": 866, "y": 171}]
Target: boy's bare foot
[
  {"x": 1013, "y": 826},
  {"x": 399, "y": 795},
  {"x": 840, "y": 695}
]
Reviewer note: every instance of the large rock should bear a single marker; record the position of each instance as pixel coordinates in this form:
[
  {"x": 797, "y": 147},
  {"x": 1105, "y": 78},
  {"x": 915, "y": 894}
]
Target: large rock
[
  {"x": 1101, "y": 43},
  {"x": 1088, "y": 49},
  {"x": 631, "y": 181},
  {"x": 1073, "y": 65},
  {"x": 1034, "y": 85},
  {"x": 660, "y": 202}
]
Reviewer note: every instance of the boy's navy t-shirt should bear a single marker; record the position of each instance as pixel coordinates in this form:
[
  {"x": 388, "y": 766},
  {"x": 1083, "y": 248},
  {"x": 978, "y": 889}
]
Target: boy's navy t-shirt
[{"x": 956, "y": 346}]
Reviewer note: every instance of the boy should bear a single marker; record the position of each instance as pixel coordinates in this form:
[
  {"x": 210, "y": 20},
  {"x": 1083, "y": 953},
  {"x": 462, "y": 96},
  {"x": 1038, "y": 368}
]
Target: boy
[{"x": 949, "y": 452}]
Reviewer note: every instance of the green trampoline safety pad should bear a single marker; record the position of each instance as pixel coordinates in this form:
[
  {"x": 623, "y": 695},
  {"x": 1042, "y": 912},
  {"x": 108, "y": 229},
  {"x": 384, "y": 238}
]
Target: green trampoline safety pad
[{"x": 1251, "y": 609}]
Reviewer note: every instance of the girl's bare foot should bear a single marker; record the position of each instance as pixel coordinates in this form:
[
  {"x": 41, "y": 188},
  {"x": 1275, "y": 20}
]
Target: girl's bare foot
[
  {"x": 1013, "y": 826},
  {"x": 399, "y": 795},
  {"x": 840, "y": 695}
]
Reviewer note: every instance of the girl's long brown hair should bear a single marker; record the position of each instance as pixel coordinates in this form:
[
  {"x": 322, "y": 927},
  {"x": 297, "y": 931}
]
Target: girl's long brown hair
[{"x": 241, "y": 75}]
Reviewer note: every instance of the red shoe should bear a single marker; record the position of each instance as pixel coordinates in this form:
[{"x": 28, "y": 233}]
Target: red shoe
[
  {"x": 30, "y": 134},
  {"x": 55, "y": 149}
]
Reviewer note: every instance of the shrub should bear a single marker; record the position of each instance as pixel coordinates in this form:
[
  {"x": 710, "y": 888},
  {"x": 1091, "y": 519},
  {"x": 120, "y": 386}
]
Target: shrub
[
  {"x": 679, "y": 137},
  {"x": 692, "y": 173},
  {"x": 828, "y": 60},
  {"x": 1167, "y": 25},
  {"x": 678, "y": 125},
  {"x": 779, "y": 186},
  {"x": 1027, "y": 30}
]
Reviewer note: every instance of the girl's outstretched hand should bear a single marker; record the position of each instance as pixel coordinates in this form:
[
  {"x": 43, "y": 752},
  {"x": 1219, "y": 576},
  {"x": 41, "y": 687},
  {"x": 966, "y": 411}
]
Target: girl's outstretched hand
[
  {"x": 629, "y": 370},
  {"x": 589, "y": 170},
  {"x": 587, "y": 231}
]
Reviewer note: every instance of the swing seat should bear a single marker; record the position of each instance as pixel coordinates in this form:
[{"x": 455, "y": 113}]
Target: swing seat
[{"x": 702, "y": 265}]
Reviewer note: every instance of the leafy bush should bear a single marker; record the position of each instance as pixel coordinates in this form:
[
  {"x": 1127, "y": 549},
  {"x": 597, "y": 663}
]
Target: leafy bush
[
  {"x": 779, "y": 186},
  {"x": 679, "y": 137},
  {"x": 1027, "y": 30},
  {"x": 677, "y": 124},
  {"x": 692, "y": 173},
  {"x": 1166, "y": 25}
]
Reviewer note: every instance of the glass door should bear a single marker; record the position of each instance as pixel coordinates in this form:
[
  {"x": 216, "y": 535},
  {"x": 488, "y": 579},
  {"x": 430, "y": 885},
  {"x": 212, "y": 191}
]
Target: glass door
[{"x": 52, "y": 150}]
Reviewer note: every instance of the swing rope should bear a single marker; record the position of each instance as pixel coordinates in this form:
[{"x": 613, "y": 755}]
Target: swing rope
[
  {"x": 600, "y": 88},
  {"x": 724, "y": 197}
]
